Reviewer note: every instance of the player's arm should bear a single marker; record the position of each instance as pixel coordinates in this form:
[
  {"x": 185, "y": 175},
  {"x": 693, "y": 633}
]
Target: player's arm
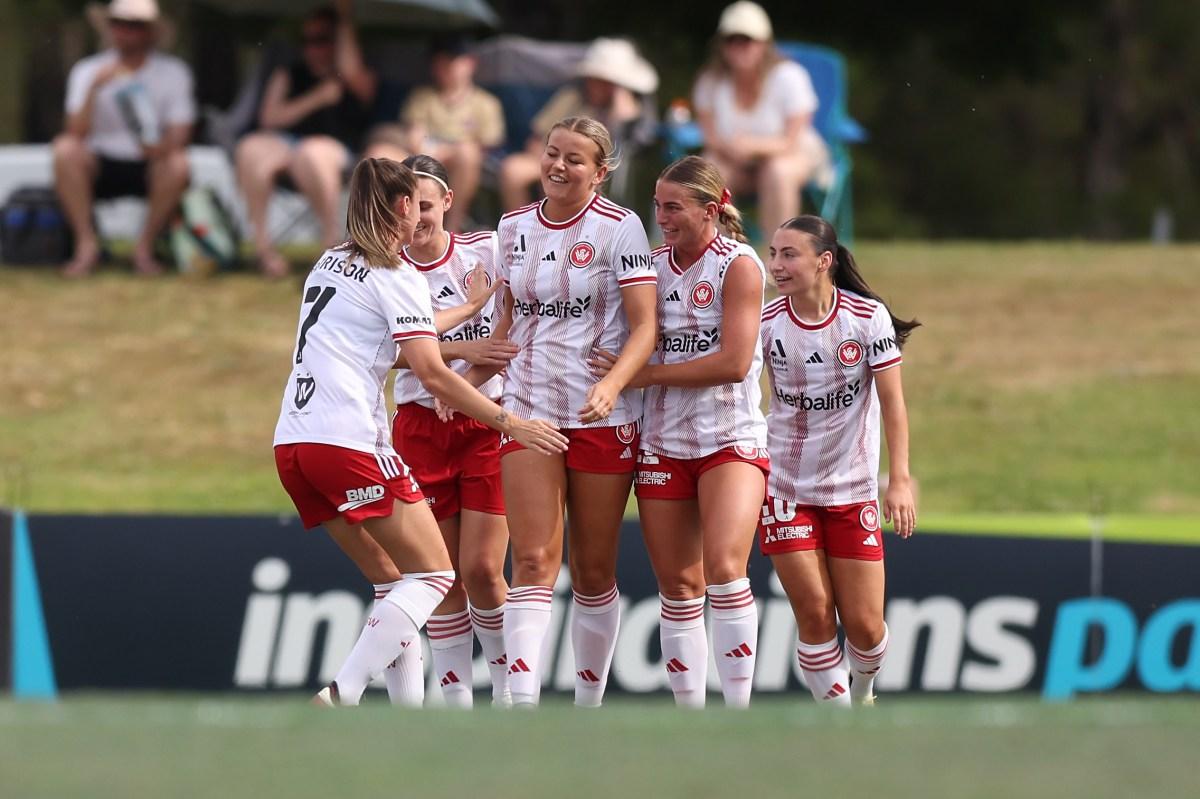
[
  {"x": 741, "y": 298},
  {"x": 480, "y": 352},
  {"x": 480, "y": 373},
  {"x": 898, "y": 504},
  {"x": 639, "y": 301},
  {"x": 481, "y": 290},
  {"x": 425, "y": 360}
]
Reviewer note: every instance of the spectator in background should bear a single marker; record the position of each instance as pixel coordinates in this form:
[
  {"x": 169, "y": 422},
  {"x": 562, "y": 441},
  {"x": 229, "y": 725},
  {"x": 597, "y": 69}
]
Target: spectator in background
[
  {"x": 755, "y": 108},
  {"x": 454, "y": 121},
  {"x": 311, "y": 120},
  {"x": 129, "y": 116},
  {"x": 614, "y": 82}
]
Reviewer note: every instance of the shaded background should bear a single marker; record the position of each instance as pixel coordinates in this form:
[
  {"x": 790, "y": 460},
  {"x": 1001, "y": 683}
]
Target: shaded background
[{"x": 1018, "y": 120}]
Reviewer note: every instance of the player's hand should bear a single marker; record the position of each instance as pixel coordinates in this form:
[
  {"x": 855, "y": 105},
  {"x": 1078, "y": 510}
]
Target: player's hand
[
  {"x": 444, "y": 412},
  {"x": 899, "y": 507},
  {"x": 603, "y": 361},
  {"x": 482, "y": 287},
  {"x": 537, "y": 435},
  {"x": 495, "y": 353},
  {"x": 601, "y": 399}
]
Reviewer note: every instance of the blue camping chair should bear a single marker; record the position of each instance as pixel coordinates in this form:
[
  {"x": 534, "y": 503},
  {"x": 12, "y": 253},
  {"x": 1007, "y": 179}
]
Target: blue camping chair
[{"x": 827, "y": 68}]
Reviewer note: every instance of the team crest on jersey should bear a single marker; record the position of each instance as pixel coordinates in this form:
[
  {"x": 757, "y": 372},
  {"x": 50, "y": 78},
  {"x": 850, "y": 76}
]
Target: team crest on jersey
[
  {"x": 306, "y": 387},
  {"x": 703, "y": 294},
  {"x": 467, "y": 279},
  {"x": 626, "y": 433},
  {"x": 582, "y": 254},
  {"x": 850, "y": 352},
  {"x": 868, "y": 517},
  {"x": 749, "y": 453}
]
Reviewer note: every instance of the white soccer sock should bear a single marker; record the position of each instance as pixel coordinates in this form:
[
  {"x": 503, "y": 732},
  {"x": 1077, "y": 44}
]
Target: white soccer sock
[
  {"x": 864, "y": 665},
  {"x": 825, "y": 671},
  {"x": 397, "y": 618},
  {"x": 594, "y": 637},
  {"x": 404, "y": 676},
  {"x": 735, "y": 638},
  {"x": 684, "y": 648},
  {"x": 526, "y": 620},
  {"x": 451, "y": 643},
  {"x": 489, "y": 629}
]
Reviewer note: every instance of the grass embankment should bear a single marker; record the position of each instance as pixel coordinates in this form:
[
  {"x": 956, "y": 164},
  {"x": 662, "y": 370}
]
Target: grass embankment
[{"x": 1049, "y": 378}]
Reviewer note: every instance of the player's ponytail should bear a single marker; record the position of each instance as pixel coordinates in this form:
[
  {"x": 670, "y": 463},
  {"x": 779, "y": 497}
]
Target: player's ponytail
[
  {"x": 371, "y": 218},
  {"x": 705, "y": 184},
  {"x": 845, "y": 273}
]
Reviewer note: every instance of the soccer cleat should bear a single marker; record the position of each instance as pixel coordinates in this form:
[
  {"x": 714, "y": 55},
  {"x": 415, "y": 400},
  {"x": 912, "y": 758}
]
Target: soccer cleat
[
  {"x": 327, "y": 696},
  {"x": 868, "y": 701}
]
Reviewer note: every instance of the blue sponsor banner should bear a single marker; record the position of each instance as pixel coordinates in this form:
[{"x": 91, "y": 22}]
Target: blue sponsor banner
[{"x": 257, "y": 604}]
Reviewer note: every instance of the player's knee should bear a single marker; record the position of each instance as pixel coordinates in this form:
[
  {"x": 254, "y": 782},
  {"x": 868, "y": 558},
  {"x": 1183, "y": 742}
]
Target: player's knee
[
  {"x": 865, "y": 630},
  {"x": 720, "y": 572},
  {"x": 815, "y": 616},
  {"x": 480, "y": 577},
  {"x": 534, "y": 567},
  {"x": 681, "y": 589},
  {"x": 590, "y": 580}
]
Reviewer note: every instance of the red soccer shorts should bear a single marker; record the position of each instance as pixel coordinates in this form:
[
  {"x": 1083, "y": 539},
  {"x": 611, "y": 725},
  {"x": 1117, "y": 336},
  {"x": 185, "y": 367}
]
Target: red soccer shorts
[
  {"x": 456, "y": 463},
  {"x": 843, "y": 531},
  {"x": 663, "y": 477},
  {"x": 325, "y": 482},
  {"x": 601, "y": 450}
]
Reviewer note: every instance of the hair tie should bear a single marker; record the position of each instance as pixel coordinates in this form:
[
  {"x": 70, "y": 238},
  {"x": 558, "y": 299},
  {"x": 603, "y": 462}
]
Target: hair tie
[
  {"x": 726, "y": 198},
  {"x": 440, "y": 182}
]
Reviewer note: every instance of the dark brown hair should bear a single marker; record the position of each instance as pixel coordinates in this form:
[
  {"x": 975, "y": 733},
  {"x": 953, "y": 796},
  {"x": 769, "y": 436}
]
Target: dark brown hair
[{"x": 845, "y": 272}]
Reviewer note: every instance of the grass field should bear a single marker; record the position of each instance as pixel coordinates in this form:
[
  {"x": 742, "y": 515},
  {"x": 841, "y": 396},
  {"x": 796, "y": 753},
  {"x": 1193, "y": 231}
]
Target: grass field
[
  {"x": 1049, "y": 378},
  {"x": 122, "y": 747}
]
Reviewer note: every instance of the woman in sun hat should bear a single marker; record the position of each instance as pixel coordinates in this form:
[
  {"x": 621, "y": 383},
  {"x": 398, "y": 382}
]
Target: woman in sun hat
[
  {"x": 755, "y": 108},
  {"x": 613, "y": 86}
]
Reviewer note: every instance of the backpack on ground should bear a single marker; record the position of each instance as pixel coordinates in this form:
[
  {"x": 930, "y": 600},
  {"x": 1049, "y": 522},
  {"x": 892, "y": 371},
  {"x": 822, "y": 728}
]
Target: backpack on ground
[
  {"x": 33, "y": 229},
  {"x": 204, "y": 238}
]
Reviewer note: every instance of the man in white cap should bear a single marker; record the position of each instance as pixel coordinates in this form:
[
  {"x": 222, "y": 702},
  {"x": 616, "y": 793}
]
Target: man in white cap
[
  {"x": 129, "y": 116},
  {"x": 613, "y": 84}
]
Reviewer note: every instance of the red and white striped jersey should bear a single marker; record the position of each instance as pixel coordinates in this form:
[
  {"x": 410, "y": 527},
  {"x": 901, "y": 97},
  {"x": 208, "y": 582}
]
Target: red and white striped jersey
[
  {"x": 566, "y": 280},
  {"x": 823, "y": 426},
  {"x": 352, "y": 318},
  {"x": 448, "y": 278},
  {"x": 694, "y": 422}
]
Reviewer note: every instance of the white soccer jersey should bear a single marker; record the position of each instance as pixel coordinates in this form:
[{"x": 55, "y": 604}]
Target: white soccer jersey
[
  {"x": 351, "y": 321},
  {"x": 694, "y": 422},
  {"x": 566, "y": 280},
  {"x": 448, "y": 278},
  {"x": 823, "y": 427}
]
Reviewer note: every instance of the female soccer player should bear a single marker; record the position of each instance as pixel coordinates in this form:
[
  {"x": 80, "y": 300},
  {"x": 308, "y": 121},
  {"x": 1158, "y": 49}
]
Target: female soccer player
[
  {"x": 457, "y": 462},
  {"x": 333, "y": 448},
  {"x": 703, "y": 466},
  {"x": 833, "y": 353},
  {"x": 578, "y": 278}
]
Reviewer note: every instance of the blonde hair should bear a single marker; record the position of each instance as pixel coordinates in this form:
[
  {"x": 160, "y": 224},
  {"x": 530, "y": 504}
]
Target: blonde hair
[
  {"x": 595, "y": 131},
  {"x": 705, "y": 184},
  {"x": 371, "y": 217}
]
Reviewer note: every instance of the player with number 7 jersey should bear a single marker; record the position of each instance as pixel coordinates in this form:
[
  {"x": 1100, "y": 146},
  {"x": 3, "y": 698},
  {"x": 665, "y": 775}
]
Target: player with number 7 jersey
[{"x": 333, "y": 450}]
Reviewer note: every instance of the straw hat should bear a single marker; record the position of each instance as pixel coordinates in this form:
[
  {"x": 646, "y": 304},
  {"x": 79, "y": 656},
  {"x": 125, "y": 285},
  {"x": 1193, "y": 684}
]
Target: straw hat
[
  {"x": 616, "y": 61},
  {"x": 745, "y": 18},
  {"x": 133, "y": 10}
]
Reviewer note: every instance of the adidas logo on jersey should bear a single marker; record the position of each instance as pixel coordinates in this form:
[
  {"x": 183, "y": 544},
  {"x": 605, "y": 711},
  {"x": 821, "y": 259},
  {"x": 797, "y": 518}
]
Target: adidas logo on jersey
[
  {"x": 673, "y": 296},
  {"x": 549, "y": 256},
  {"x": 814, "y": 358},
  {"x": 871, "y": 541},
  {"x": 445, "y": 292},
  {"x": 627, "y": 455}
]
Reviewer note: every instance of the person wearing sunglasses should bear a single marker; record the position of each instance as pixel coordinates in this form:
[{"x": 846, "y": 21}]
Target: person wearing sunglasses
[
  {"x": 312, "y": 116},
  {"x": 755, "y": 108}
]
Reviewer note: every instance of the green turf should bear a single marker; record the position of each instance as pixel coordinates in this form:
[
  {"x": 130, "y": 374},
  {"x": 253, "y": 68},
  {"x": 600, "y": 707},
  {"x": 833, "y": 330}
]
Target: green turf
[{"x": 118, "y": 747}]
